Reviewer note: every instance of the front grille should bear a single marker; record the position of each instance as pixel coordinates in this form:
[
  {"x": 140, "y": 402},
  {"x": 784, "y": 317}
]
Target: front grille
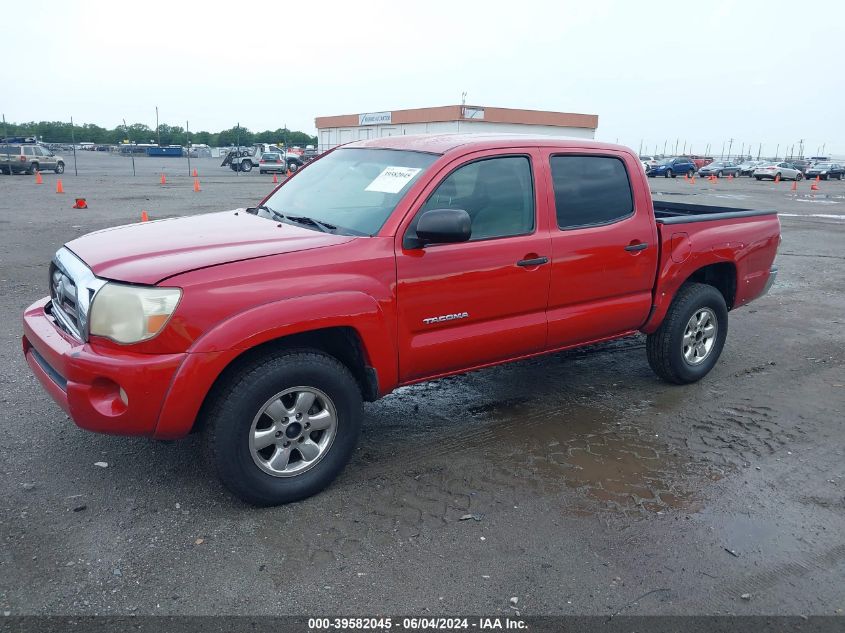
[
  {"x": 72, "y": 289},
  {"x": 63, "y": 295}
]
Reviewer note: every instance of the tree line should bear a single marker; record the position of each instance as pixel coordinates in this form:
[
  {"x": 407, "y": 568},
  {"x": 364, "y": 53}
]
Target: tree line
[{"x": 61, "y": 132}]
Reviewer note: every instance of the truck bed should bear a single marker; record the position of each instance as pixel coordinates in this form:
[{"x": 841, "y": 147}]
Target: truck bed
[{"x": 682, "y": 213}]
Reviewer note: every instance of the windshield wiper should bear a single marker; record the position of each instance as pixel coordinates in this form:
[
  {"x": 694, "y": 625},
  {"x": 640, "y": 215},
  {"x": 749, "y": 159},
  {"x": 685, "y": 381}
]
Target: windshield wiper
[
  {"x": 261, "y": 207},
  {"x": 325, "y": 227}
]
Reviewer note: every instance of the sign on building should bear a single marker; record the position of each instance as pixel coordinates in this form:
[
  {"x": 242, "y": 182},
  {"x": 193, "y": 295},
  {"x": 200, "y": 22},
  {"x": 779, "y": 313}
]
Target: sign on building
[{"x": 375, "y": 118}]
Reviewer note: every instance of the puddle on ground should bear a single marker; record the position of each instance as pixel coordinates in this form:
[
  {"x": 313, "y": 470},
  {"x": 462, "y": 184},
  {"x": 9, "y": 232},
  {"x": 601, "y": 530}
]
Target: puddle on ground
[{"x": 614, "y": 464}]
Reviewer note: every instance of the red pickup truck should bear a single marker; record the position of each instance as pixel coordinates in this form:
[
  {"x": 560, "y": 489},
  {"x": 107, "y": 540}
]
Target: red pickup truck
[{"x": 383, "y": 263}]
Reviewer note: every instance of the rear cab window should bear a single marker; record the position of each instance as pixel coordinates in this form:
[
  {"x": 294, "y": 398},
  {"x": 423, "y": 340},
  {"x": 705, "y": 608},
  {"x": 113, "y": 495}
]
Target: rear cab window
[{"x": 590, "y": 191}]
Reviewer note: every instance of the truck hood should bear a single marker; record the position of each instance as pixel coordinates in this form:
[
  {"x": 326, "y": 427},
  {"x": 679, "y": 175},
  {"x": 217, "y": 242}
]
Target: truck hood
[{"x": 149, "y": 252}]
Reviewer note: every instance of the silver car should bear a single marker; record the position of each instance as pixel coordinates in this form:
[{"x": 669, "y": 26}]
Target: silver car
[
  {"x": 771, "y": 171},
  {"x": 27, "y": 158}
]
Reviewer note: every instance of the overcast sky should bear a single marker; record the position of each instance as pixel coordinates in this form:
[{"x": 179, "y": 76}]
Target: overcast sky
[{"x": 757, "y": 72}]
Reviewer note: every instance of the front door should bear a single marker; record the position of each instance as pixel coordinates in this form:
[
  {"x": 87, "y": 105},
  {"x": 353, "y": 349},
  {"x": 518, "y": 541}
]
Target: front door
[{"x": 483, "y": 301}]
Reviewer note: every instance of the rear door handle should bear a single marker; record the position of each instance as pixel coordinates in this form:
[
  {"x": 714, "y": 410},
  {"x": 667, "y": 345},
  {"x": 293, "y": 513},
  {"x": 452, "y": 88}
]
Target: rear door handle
[
  {"x": 636, "y": 247},
  {"x": 536, "y": 261}
]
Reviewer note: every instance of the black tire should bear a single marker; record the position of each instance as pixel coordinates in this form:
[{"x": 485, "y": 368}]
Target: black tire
[
  {"x": 691, "y": 173},
  {"x": 669, "y": 174},
  {"x": 60, "y": 168},
  {"x": 758, "y": 178},
  {"x": 778, "y": 176},
  {"x": 228, "y": 414},
  {"x": 799, "y": 176},
  {"x": 718, "y": 174},
  {"x": 261, "y": 171},
  {"x": 246, "y": 165},
  {"x": 293, "y": 166},
  {"x": 33, "y": 167},
  {"x": 665, "y": 348}
]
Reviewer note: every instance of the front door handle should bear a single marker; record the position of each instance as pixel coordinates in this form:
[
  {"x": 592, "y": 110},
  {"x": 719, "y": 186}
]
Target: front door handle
[
  {"x": 632, "y": 248},
  {"x": 536, "y": 261}
]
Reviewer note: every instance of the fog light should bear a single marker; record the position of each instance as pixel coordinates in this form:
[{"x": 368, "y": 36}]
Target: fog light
[{"x": 107, "y": 397}]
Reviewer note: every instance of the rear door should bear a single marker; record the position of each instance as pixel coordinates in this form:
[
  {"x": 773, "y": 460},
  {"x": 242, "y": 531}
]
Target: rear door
[
  {"x": 483, "y": 301},
  {"x": 604, "y": 246}
]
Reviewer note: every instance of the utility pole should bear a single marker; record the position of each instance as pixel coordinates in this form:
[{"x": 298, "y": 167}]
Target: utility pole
[
  {"x": 73, "y": 144},
  {"x": 729, "y": 148},
  {"x": 188, "y": 144},
  {"x": 131, "y": 149},
  {"x": 641, "y": 147},
  {"x": 777, "y": 151},
  {"x": 664, "y": 147},
  {"x": 723, "y": 151},
  {"x": 801, "y": 148},
  {"x": 759, "y": 149}
]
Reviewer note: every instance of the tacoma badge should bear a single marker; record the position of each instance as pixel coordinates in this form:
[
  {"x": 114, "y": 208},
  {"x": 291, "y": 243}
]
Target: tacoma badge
[{"x": 446, "y": 317}]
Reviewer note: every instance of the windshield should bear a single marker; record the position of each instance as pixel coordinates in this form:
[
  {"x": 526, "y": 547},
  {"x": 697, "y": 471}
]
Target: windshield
[
  {"x": 665, "y": 161},
  {"x": 822, "y": 165},
  {"x": 716, "y": 165},
  {"x": 355, "y": 189}
]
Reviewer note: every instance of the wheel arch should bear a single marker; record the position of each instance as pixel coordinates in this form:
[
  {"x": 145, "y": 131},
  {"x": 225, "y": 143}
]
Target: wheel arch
[
  {"x": 356, "y": 335},
  {"x": 722, "y": 275}
]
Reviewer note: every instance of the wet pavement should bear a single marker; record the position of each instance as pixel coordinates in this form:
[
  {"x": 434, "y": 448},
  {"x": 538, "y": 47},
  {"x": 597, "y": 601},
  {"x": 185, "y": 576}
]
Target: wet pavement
[{"x": 577, "y": 482}]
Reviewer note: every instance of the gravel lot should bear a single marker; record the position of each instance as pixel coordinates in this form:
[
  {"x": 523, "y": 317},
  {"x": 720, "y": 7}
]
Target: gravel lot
[{"x": 591, "y": 483}]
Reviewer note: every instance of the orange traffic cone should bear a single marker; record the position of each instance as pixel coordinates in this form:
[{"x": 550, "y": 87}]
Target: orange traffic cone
[
  {"x": 38, "y": 178},
  {"x": 196, "y": 184},
  {"x": 686, "y": 177},
  {"x": 692, "y": 180},
  {"x": 730, "y": 176},
  {"x": 59, "y": 188},
  {"x": 814, "y": 186},
  {"x": 80, "y": 204},
  {"x": 275, "y": 178},
  {"x": 777, "y": 178},
  {"x": 163, "y": 180},
  {"x": 289, "y": 174},
  {"x": 144, "y": 217},
  {"x": 195, "y": 173},
  {"x": 795, "y": 185}
]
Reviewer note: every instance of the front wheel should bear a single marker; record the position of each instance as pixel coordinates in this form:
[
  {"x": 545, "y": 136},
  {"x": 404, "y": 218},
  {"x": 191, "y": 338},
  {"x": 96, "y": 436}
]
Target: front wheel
[
  {"x": 668, "y": 174},
  {"x": 688, "y": 343},
  {"x": 292, "y": 166},
  {"x": 799, "y": 176},
  {"x": 691, "y": 173},
  {"x": 60, "y": 168},
  {"x": 282, "y": 428}
]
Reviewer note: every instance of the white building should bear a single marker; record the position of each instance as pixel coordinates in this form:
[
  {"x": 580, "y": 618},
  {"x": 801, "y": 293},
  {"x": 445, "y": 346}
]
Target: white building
[{"x": 337, "y": 130}]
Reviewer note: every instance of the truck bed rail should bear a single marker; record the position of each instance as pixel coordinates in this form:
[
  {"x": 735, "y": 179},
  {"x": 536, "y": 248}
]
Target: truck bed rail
[{"x": 682, "y": 213}]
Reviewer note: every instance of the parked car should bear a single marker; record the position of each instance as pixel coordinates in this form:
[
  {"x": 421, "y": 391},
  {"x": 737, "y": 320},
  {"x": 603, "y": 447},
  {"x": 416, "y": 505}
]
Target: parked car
[
  {"x": 23, "y": 158},
  {"x": 673, "y": 167},
  {"x": 649, "y": 161},
  {"x": 700, "y": 161},
  {"x": 747, "y": 168},
  {"x": 245, "y": 158},
  {"x": 382, "y": 264},
  {"x": 800, "y": 164},
  {"x": 271, "y": 162},
  {"x": 770, "y": 171},
  {"x": 826, "y": 171},
  {"x": 719, "y": 169}
]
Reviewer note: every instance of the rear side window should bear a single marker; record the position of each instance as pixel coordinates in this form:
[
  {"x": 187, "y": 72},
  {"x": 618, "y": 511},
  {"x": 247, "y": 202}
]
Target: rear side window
[
  {"x": 590, "y": 190},
  {"x": 29, "y": 151}
]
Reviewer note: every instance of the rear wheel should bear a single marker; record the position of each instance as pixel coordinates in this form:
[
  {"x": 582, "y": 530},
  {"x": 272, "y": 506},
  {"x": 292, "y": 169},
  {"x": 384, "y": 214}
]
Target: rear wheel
[
  {"x": 32, "y": 169},
  {"x": 283, "y": 427},
  {"x": 292, "y": 166},
  {"x": 688, "y": 343}
]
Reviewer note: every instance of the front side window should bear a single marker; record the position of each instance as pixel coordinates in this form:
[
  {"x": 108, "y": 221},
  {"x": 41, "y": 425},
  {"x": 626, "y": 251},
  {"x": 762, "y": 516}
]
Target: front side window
[
  {"x": 590, "y": 190},
  {"x": 497, "y": 193},
  {"x": 28, "y": 151}
]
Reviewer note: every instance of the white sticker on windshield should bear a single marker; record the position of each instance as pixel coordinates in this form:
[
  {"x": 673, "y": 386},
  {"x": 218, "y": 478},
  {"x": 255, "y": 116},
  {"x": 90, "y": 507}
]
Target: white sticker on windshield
[{"x": 392, "y": 179}]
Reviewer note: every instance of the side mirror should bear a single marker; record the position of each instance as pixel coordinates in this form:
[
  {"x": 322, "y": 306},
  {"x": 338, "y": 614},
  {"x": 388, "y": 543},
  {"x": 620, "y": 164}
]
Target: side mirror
[{"x": 441, "y": 226}]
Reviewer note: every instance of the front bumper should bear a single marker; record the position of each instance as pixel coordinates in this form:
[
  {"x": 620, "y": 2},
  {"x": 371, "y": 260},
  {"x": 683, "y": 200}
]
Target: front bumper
[{"x": 101, "y": 389}]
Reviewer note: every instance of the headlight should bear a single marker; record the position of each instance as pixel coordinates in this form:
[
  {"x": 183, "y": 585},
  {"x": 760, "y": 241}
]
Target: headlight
[{"x": 130, "y": 314}]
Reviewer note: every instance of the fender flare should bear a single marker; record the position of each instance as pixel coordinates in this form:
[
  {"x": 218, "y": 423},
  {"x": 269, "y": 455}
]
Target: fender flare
[
  {"x": 671, "y": 280},
  {"x": 217, "y": 348}
]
